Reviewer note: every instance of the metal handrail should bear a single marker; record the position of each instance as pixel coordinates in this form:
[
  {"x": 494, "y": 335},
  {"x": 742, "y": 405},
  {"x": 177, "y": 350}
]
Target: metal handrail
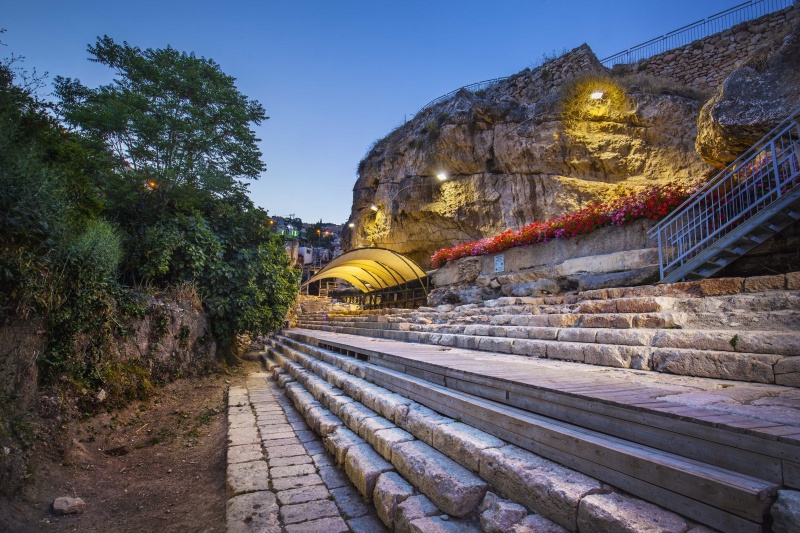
[
  {"x": 474, "y": 87},
  {"x": 758, "y": 179},
  {"x": 716, "y": 23},
  {"x": 752, "y": 9}
]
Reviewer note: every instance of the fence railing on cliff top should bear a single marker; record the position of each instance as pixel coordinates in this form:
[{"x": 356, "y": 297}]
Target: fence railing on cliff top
[
  {"x": 752, "y": 9},
  {"x": 722, "y": 21}
]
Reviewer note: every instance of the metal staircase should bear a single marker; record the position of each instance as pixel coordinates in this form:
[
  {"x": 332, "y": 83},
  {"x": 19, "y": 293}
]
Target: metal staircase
[{"x": 755, "y": 197}]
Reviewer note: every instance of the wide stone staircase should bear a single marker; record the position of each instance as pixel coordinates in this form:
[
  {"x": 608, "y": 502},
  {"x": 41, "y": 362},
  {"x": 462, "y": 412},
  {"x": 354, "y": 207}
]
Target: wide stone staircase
[{"x": 685, "y": 415}]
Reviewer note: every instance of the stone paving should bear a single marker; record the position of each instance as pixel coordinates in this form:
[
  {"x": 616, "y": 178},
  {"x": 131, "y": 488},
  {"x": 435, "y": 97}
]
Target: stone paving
[{"x": 279, "y": 477}]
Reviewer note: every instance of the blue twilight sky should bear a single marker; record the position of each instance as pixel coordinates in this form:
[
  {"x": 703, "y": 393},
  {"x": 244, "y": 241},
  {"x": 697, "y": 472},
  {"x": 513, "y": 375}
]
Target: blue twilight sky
[{"x": 336, "y": 75}]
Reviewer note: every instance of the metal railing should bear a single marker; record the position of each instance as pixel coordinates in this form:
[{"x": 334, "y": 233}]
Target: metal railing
[
  {"x": 474, "y": 87},
  {"x": 754, "y": 183},
  {"x": 721, "y": 21},
  {"x": 752, "y": 9}
]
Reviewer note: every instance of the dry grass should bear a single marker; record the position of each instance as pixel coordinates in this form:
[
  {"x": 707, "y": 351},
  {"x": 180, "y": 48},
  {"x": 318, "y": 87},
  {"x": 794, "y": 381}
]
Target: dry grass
[{"x": 650, "y": 84}]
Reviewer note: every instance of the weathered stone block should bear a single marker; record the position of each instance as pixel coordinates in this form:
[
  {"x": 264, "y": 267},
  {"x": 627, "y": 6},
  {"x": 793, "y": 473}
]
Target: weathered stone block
[
  {"x": 536, "y": 523},
  {"x": 411, "y": 509},
  {"x": 338, "y": 442},
  {"x": 392, "y": 406},
  {"x": 438, "y": 524},
  {"x": 421, "y": 421},
  {"x": 617, "y": 356},
  {"x": 577, "y": 335},
  {"x": 384, "y": 440},
  {"x": 246, "y": 477},
  {"x": 627, "y": 337},
  {"x": 495, "y": 344},
  {"x": 363, "y": 466},
  {"x": 720, "y": 286},
  {"x": 786, "y": 512},
  {"x": 499, "y": 516},
  {"x": 607, "y": 321},
  {"x": 256, "y": 511},
  {"x": 614, "y": 513},
  {"x": 531, "y": 348},
  {"x": 390, "y": 491},
  {"x": 539, "y": 484},
  {"x": 244, "y": 453},
  {"x": 243, "y": 435},
  {"x": 370, "y": 425},
  {"x": 598, "y": 307},
  {"x": 308, "y": 511},
  {"x": 462, "y": 443},
  {"x": 295, "y": 482},
  {"x": 335, "y": 403},
  {"x": 764, "y": 283},
  {"x": 302, "y": 495},
  {"x": 354, "y": 413},
  {"x": 566, "y": 352},
  {"x": 720, "y": 365},
  {"x": 453, "y": 488},
  {"x": 770, "y": 342}
]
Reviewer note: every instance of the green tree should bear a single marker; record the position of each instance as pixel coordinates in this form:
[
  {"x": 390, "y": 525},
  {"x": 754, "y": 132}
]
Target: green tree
[
  {"x": 172, "y": 120},
  {"x": 180, "y": 134}
]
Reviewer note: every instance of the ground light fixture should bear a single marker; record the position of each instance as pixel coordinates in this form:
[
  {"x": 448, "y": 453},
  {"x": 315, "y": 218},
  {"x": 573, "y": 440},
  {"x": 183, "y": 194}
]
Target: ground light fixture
[
  {"x": 442, "y": 176},
  {"x": 597, "y": 95},
  {"x": 351, "y": 225},
  {"x": 373, "y": 207}
]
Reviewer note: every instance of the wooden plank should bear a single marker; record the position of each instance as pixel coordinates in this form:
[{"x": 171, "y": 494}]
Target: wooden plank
[
  {"x": 791, "y": 474},
  {"x": 724, "y": 456},
  {"x": 733, "y": 492},
  {"x": 684, "y": 505},
  {"x": 779, "y": 449}
]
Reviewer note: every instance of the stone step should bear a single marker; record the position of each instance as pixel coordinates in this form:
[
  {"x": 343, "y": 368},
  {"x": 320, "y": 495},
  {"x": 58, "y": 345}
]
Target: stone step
[
  {"x": 756, "y": 342},
  {"x": 708, "y": 493},
  {"x": 591, "y": 320},
  {"x": 381, "y": 458},
  {"x": 554, "y": 492},
  {"x": 699, "y": 362}
]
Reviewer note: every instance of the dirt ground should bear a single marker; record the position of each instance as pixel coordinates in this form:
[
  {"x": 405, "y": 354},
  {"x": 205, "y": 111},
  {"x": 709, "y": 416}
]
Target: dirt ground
[{"x": 157, "y": 465}]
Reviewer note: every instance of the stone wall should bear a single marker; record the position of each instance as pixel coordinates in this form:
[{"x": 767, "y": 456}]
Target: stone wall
[
  {"x": 609, "y": 257},
  {"x": 705, "y": 63},
  {"x": 531, "y": 85}
]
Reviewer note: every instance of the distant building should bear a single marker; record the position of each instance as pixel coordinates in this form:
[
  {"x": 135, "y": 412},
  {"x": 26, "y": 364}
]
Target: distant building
[{"x": 284, "y": 226}]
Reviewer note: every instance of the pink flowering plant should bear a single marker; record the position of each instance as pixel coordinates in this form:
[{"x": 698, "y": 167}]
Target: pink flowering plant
[{"x": 652, "y": 202}]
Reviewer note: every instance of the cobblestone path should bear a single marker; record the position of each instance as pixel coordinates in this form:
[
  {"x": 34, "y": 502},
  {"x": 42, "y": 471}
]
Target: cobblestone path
[{"x": 279, "y": 477}]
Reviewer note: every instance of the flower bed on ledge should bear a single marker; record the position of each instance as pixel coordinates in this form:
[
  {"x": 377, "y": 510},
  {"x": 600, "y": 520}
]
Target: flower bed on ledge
[{"x": 654, "y": 202}]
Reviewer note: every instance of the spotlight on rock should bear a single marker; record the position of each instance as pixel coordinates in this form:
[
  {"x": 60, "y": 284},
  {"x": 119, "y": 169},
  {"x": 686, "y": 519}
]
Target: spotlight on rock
[
  {"x": 373, "y": 207},
  {"x": 442, "y": 176},
  {"x": 597, "y": 95}
]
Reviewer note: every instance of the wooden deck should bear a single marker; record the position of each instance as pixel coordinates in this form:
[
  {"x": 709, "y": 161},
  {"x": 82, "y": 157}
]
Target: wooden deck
[{"x": 661, "y": 437}]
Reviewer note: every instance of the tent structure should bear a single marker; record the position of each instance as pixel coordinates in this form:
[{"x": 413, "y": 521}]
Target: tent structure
[{"x": 371, "y": 269}]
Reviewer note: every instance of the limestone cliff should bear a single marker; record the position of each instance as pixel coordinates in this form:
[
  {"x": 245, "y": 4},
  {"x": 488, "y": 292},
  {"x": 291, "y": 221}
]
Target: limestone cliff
[
  {"x": 529, "y": 148},
  {"x": 751, "y": 101}
]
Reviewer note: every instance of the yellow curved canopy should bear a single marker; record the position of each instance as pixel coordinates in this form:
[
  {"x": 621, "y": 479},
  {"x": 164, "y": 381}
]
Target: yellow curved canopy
[{"x": 371, "y": 269}]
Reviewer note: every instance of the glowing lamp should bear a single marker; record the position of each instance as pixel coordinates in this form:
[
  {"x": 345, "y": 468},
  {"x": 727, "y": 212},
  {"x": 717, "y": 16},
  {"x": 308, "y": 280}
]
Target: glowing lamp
[
  {"x": 597, "y": 95},
  {"x": 373, "y": 207},
  {"x": 351, "y": 225},
  {"x": 442, "y": 176}
]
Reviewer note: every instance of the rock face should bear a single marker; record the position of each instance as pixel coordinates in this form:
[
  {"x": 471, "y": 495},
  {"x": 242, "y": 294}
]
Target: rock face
[
  {"x": 529, "y": 148},
  {"x": 751, "y": 101}
]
